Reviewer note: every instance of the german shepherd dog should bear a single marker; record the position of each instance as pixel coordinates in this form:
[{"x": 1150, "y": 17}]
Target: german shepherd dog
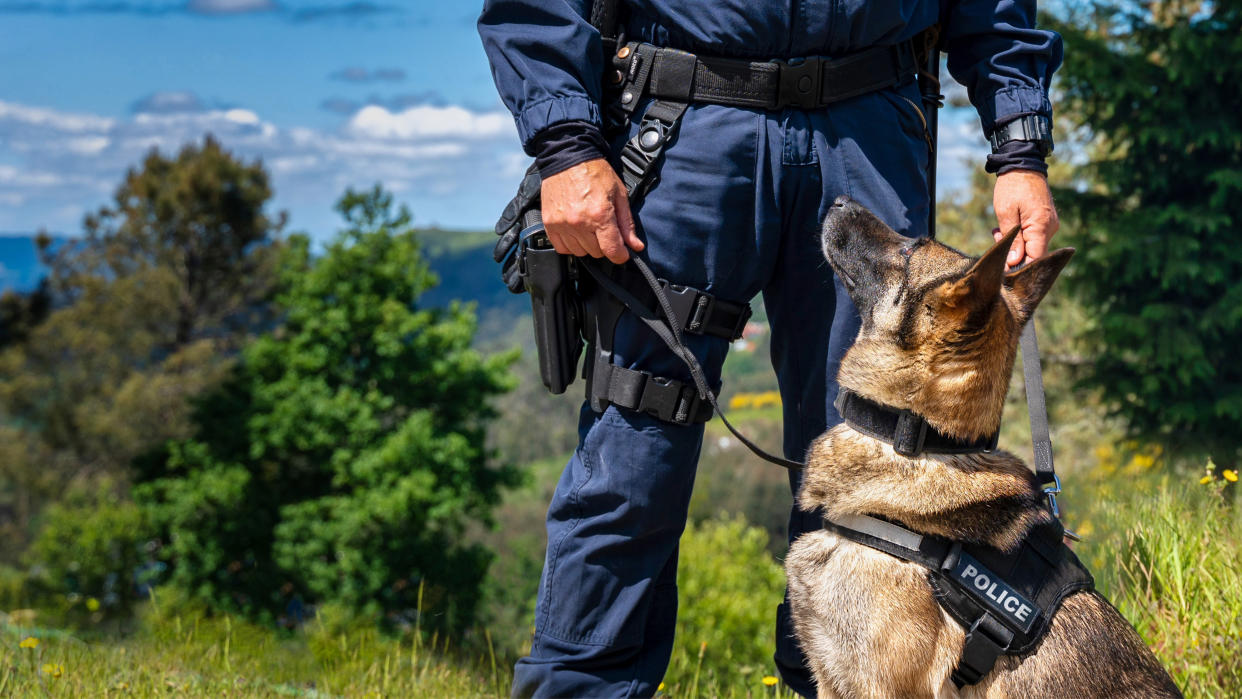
[{"x": 939, "y": 333}]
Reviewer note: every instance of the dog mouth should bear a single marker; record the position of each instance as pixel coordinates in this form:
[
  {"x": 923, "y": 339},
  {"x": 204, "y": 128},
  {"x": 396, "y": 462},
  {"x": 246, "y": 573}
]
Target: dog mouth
[{"x": 832, "y": 249}]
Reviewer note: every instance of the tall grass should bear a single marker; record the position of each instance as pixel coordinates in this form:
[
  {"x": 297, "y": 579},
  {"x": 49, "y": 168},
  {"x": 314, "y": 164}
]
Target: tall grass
[{"x": 1167, "y": 551}]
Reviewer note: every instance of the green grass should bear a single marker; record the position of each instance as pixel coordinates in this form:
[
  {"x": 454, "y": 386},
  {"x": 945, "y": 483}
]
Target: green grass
[
  {"x": 1164, "y": 549},
  {"x": 191, "y": 655}
]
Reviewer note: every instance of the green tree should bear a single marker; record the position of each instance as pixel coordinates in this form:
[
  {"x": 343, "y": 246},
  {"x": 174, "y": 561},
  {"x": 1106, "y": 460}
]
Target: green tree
[
  {"x": 343, "y": 459},
  {"x": 1153, "y": 87},
  {"x": 147, "y": 310}
]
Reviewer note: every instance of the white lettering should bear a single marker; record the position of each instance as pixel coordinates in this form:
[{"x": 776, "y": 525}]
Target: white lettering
[
  {"x": 970, "y": 572},
  {"x": 990, "y": 591},
  {"x": 1023, "y": 612},
  {"x": 981, "y": 582},
  {"x": 1011, "y": 604}
]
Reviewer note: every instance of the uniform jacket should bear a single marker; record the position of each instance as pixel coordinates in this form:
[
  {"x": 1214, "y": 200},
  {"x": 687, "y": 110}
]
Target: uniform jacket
[{"x": 546, "y": 56}]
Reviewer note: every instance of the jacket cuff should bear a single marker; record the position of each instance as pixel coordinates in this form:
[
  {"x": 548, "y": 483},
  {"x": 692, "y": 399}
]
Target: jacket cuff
[
  {"x": 562, "y": 146},
  {"x": 1009, "y": 103},
  {"x": 1017, "y": 155},
  {"x": 553, "y": 110}
]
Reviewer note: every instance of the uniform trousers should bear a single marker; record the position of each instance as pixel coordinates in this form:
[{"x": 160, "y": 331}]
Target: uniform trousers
[{"x": 736, "y": 211}]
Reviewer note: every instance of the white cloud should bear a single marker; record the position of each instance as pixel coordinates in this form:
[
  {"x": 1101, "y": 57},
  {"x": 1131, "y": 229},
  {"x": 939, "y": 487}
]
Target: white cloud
[
  {"x": 51, "y": 119},
  {"x": 55, "y": 166},
  {"x": 426, "y": 121}
]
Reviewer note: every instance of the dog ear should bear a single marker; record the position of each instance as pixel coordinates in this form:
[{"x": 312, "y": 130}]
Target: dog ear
[
  {"x": 1031, "y": 282},
  {"x": 980, "y": 286}
]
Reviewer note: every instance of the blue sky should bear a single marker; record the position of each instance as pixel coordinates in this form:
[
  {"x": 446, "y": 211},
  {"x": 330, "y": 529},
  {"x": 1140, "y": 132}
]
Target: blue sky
[{"x": 329, "y": 93}]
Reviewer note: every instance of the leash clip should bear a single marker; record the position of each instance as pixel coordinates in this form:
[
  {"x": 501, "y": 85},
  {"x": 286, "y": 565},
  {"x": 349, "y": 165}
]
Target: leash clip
[{"x": 1051, "y": 490}]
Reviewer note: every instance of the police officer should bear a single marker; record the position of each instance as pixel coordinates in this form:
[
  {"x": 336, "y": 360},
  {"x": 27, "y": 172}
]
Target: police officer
[{"x": 735, "y": 212}]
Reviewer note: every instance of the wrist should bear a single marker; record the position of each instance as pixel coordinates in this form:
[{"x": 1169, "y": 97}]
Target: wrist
[{"x": 565, "y": 145}]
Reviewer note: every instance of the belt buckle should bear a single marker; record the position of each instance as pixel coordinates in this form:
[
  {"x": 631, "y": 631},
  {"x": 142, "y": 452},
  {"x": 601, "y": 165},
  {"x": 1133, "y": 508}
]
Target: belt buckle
[{"x": 800, "y": 83}]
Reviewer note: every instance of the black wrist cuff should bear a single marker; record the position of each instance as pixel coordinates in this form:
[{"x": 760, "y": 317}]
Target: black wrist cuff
[
  {"x": 1017, "y": 155},
  {"x": 564, "y": 145}
]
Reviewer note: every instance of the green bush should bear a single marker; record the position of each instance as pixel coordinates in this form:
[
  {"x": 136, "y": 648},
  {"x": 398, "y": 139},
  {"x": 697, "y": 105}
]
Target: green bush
[
  {"x": 84, "y": 559},
  {"x": 342, "y": 461},
  {"x": 729, "y": 586}
]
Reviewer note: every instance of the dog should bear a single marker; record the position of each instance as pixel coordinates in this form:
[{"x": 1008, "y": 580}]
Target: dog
[{"x": 938, "y": 338}]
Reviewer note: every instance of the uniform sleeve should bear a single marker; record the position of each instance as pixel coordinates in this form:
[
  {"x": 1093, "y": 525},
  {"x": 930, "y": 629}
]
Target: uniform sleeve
[
  {"x": 1005, "y": 63},
  {"x": 546, "y": 60}
]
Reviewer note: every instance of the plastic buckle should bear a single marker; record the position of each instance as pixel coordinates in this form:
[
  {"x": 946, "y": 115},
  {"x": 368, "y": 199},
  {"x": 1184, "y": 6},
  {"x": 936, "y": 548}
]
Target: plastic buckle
[
  {"x": 683, "y": 300},
  {"x": 909, "y": 434},
  {"x": 739, "y": 328},
  {"x": 800, "y": 83}
]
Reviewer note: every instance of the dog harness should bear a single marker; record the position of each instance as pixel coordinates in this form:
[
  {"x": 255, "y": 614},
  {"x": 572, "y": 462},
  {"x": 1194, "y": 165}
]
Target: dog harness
[{"x": 1004, "y": 600}]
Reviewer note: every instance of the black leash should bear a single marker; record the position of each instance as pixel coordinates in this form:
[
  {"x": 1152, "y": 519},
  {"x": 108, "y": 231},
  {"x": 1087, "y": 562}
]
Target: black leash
[{"x": 670, "y": 334}]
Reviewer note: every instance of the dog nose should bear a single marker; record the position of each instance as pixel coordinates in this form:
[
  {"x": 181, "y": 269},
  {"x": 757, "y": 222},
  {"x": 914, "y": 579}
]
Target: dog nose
[{"x": 841, "y": 202}]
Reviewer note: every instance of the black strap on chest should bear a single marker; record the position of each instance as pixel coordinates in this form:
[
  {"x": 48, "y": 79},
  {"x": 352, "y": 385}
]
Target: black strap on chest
[{"x": 1004, "y": 600}]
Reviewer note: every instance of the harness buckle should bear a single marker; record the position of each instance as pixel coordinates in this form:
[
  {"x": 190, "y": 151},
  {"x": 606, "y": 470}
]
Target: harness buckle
[{"x": 800, "y": 83}]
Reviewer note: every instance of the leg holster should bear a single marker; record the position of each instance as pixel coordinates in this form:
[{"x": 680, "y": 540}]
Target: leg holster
[{"x": 694, "y": 311}]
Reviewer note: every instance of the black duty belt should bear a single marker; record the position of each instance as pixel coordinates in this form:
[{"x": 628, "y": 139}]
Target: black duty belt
[{"x": 809, "y": 83}]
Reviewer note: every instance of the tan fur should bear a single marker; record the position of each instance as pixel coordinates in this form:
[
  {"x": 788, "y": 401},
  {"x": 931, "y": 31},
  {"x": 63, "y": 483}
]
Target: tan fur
[{"x": 939, "y": 336}]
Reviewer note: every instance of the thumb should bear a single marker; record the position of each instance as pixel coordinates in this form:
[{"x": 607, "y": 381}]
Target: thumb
[{"x": 625, "y": 221}]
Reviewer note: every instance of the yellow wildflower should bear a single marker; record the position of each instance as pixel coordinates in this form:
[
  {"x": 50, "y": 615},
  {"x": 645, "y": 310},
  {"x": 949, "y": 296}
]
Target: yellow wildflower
[
  {"x": 1230, "y": 475},
  {"x": 770, "y": 681},
  {"x": 660, "y": 688},
  {"x": 1206, "y": 479},
  {"x": 29, "y": 642},
  {"x": 55, "y": 670},
  {"x": 92, "y": 604}
]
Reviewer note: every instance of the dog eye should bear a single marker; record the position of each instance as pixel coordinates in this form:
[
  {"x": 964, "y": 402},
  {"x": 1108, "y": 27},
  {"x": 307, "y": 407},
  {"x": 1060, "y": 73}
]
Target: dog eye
[{"x": 907, "y": 251}]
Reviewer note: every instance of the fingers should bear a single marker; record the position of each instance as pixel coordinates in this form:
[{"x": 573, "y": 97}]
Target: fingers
[{"x": 625, "y": 221}]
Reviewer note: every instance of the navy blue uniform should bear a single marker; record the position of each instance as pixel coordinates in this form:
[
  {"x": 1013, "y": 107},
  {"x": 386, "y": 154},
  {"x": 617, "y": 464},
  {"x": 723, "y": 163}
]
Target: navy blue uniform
[{"x": 736, "y": 212}]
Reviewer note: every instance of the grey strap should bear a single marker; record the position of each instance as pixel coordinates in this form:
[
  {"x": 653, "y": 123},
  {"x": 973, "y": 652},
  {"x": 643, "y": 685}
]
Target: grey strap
[
  {"x": 878, "y": 528},
  {"x": 1033, "y": 375}
]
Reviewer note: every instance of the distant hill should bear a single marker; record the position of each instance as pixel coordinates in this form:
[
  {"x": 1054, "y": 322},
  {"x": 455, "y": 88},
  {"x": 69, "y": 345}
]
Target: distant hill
[
  {"x": 19, "y": 263},
  {"x": 461, "y": 259}
]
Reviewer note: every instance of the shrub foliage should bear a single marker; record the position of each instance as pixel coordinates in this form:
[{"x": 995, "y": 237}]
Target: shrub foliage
[{"x": 343, "y": 458}]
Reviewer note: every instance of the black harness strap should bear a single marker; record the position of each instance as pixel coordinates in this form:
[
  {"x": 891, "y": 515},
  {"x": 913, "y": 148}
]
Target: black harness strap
[{"x": 641, "y": 154}]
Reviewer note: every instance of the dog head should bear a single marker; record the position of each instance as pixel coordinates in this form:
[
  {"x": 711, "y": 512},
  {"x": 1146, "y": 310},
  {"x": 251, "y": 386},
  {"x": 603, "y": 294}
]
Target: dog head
[{"x": 939, "y": 328}]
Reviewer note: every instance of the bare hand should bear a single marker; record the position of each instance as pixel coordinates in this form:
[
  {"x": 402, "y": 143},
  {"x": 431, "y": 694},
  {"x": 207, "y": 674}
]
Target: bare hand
[
  {"x": 1022, "y": 198},
  {"x": 586, "y": 212}
]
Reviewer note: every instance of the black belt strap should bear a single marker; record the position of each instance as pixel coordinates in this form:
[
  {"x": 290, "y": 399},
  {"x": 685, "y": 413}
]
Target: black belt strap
[
  {"x": 667, "y": 399},
  {"x": 807, "y": 83},
  {"x": 908, "y": 432}
]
